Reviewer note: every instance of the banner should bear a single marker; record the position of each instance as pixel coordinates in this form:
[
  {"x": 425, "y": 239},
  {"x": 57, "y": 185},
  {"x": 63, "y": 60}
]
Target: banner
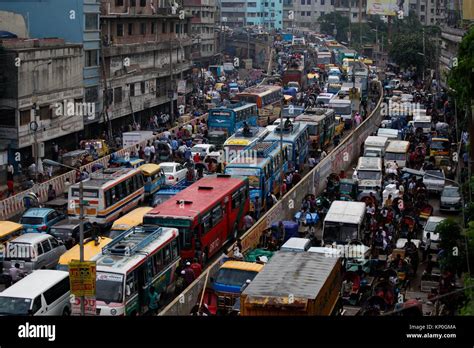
[
  {"x": 82, "y": 276},
  {"x": 387, "y": 7},
  {"x": 182, "y": 86}
]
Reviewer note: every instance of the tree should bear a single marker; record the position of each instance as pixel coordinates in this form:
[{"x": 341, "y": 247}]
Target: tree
[
  {"x": 334, "y": 20},
  {"x": 452, "y": 243}
]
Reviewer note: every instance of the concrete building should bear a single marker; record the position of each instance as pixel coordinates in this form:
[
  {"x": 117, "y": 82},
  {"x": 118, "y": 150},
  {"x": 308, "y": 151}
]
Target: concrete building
[
  {"x": 204, "y": 15},
  {"x": 430, "y": 12},
  {"x": 76, "y": 21},
  {"x": 265, "y": 13},
  {"x": 146, "y": 48},
  {"x": 450, "y": 40},
  {"x": 40, "y": 78}
]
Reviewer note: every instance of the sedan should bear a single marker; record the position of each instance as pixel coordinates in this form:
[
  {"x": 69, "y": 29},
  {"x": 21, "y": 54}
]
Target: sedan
[
  {"x": 174, "y": 172},
  {"x": 450, "y": 199},
  {"x": 68, "y": 231},
  {"x": 202, "y": 149}
]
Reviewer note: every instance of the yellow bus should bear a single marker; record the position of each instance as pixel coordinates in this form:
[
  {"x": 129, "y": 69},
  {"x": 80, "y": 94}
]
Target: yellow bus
[
  {"x": 439, "y": 147},
  {"x": 91, "y": 249},
  {"x": 128, "y": 221},
  {"x": 8, "y": 231}
]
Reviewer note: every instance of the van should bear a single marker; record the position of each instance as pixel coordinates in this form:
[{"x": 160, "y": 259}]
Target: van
[
  {"x": 33, "y": 251},
  {"x": 397, "y": 151},
  {"x": 44, "y": 292},
  {"x": 388, "y": 133},
  {"x": 374, "y": 146},
  {"x": 430, "y": 227},
  {"x": 296, "y": 244},
  {"x": 344, "y": 222},
  {"x": 8, "y": 231},
  {"x": 423, "y": 122}
]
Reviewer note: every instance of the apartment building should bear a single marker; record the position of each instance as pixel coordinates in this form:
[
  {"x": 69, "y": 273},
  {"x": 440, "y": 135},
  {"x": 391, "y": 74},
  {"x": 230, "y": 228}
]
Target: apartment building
[
  {"x": 265, "y": 13},
  {"x": 431, "y": 12}
]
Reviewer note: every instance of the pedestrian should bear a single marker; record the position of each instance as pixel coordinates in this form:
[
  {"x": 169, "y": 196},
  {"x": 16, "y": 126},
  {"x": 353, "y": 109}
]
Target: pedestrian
[
  {"x": 426, "y": 246},
  {"x": 196, "y": 267},
  {"x": 248, "y": 221},
  {"x": 51, "y": 193},
  {"x": 55, "y": 151},
  {"x": 15, "y": 273},
  {"x": 10, "y": 186},
  {"x": 147, "y": 152},
  {"x": 10, "y": 171},
  {"x": 152, "y": 153},
  {"x": 296, "y": 178},
  {"x": 311, "y": 162},
  {"x": 257, "y": 208},
  {"x": 153, "y": 301},
  {"x": 188, "y": 274},
  {"x": 289, "y": 181}
]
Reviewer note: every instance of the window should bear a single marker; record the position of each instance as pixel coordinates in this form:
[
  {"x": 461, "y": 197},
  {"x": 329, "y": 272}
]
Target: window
[
  {"x": 171, "y": 27},
  {"x": 36, "y": 304},
  {"x": 39, "y": 250},
  {"x": 142, "y": 87},
  {"x": 46, "y": 246},
  {"x": 322, "y": 2},
  {"x": 133, "y": 3},
  {"x": 143, "y": 28},
  {"x": 308, "y": 14},
  {"x": 236, "y": 200},
  {"x": 119, "y": 29},
  {"x": 153, "y": 28},
  {"x": 216, "y": 215},
  {"x": 92, "y": 58},
  {"x": 206, "y": 223},
  {"x": 54, "y": 243},
  {"x": 92, "y": 94},
  {"x": 308, "y": 2},
  {"x": 354, "y": 15},
  {"x": 117, "y": 95},
  {"x": 166, "y": 255},
  {"x": 158, "y": 261},
  {"x": 132, "y": 90},
  {"x": 174, "y": 249},
  {"x": 142, "y": 3},
  {"x": 130, "y": 28},
  {"x": 163, "y": 27},
  {"x": 118, "y": 2},
  {"x": 108, "y": 198},
  {"x": 57, "y": 291},
  {"x": 130, "y": 283},
  {"x": 303, "y": 2},
  {"x": 332, "y": 2},
  {"x": 45, "y": 113},
  {"x": 92, "y": 21}
]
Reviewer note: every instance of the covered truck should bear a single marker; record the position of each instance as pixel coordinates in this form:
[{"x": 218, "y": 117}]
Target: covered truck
[{"x": 296, "y": 284}]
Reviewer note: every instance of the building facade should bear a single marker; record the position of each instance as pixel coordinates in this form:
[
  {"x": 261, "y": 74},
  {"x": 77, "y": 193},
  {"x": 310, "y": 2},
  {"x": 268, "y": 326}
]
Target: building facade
[
  {"x": 267, "y": 14},
  {"x": 431, "y": 12},
  {"x": 146, "y": 48}
]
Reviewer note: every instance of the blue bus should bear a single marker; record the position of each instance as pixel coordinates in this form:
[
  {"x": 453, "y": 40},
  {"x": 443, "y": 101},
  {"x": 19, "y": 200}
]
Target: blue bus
[
  {"x": 263, "y": 163},
  {"x": 297, "y": 138},
  {"x": 224, "y": 121}
]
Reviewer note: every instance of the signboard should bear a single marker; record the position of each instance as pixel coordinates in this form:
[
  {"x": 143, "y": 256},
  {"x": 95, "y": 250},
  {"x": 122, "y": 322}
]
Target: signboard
[
  {"x": 387, "y": 7},
  {"x": 82, "y": 276},
  {"x": 89, "y": 306},
  {"x": 182, "y": 86}
]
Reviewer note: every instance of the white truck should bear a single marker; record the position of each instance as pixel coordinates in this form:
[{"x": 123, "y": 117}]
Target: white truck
[
  {"x": 368, "y": 175},
  {"x": 132, "y": 138},
  {"x": 344, "y": 222},
  {"x": 374, "y": 146}
]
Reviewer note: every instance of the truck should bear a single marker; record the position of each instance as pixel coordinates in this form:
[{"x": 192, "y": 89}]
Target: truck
[
  {"x": 132, "y": 138},
  {"x": 294, "y": 284},
  {"x": 368, "y": 175},
  {"x": 374, "y": 146},
  {"x": 295, "y": 72}
]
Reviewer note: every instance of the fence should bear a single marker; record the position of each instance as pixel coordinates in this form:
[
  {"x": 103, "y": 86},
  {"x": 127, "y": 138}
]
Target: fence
[
  {"x": 339, "y": 159},
  {"x": 14, "y": 205}
]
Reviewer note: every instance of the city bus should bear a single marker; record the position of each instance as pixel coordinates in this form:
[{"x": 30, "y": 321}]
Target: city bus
[
  {"x": 440, "y": 147},
  {"x": 297, "y": 137},
  {"x": 207, "y": 214},
  {"x": 239, "y": 141},
  {"x": 154, "y": 177},
  {"x": 321, "y": 124},
  {"x": 8, "y": 231},
  {"x": 128, "y": 221},
  {"x": 128, "y": 266},
  {"x": 267, "y": 98},
  {"x": 91, "y": 250},
  {"x": 263, "y": 165},
  {"x": 223, "y": 121},
  {"x": 109, "y": 194}
]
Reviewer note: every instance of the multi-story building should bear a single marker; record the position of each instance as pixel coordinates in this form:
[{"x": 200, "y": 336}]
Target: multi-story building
[
  {"x": 450, "y": 40},
  {"x": 76, "y": 21},
  {"x": 430, "y": 12},
  {"x": 203, "y": 29},
  {"x": 265, "y": 13},
  {"x": 42, "y": 94},
  {"x": 146, "y": 48}
]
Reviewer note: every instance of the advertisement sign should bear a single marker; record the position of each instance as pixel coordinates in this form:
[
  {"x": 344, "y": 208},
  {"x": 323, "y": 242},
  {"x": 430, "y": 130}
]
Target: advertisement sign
[
  {"x": 82, "y": 277},
  {"x": 387, "y": 7},
  {"x": 182, "y": 86},
  {"x": 89, "y": 306}
]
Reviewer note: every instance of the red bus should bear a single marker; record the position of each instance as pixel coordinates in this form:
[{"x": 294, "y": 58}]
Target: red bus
[{"x": 207, "y": 214}]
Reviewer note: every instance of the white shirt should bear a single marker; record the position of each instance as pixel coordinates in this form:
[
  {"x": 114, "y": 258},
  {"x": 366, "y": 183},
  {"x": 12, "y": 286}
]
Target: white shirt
[
  {"x": 11, "y": 169},
  {"x": 167, "y": 134},
  {"x": 152, "y": 149},
  {"x": 147, "y": 151}
]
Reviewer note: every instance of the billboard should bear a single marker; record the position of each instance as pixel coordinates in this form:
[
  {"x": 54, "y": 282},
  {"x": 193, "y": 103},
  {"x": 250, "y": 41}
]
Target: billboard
[
  {"x": 468, "y": 10},
  {"x": 388, "y": 7}
]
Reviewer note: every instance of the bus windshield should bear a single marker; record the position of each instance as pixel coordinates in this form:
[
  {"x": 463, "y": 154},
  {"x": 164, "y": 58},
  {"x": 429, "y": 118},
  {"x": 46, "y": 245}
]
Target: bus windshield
[
  {"x": 252, "y": 174},
  {"x": 185, "y": 235},
  {"x": 109, "y": 287},
  {"x": 248, "y": 98},
  {"x": 335, "y": 232},
  {"x": 393, "y": 156},
  {"x": 234, "y": 277},
  {"x": 439, "y": 145},
  {"x": 368, "y": 175},
  {"x": 341, "y": 109}
]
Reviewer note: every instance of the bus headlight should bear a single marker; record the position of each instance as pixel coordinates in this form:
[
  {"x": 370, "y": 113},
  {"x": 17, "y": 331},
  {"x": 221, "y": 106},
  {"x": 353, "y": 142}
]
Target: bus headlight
[{"x": 113, "y": 311}]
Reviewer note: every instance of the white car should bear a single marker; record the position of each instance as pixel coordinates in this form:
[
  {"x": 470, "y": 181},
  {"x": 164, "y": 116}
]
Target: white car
[
  {"x": 430, "y": 227},
  {"x": 202, "y": 149},
  {"x": 174, "y": 172}
]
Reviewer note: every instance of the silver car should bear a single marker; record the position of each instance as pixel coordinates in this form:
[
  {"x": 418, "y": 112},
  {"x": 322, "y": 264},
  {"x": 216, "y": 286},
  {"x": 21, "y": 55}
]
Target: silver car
[
  {"x": 450, "y": 199},
  {"x": 434, "y": 180}
]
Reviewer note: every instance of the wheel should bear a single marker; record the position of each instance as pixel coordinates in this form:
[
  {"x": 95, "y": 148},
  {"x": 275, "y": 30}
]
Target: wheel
[{"x": 66, "y": 312}]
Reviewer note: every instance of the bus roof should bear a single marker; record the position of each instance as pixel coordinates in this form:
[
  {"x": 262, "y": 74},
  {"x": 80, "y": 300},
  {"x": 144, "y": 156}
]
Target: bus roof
[
  {"x": 149, "y": 168},
  {"x": 375, "y": 140},
  {"x": 131, "y": 219},
  {"x": 233, "y": 107},
  {"x": 260, "y": 90},
  {"x": 197, "y": 198},
  {"x": 238, "y": 138},
  {"x": 34, "y": 284},
  {"x": 398, "y": 146},
  {"x": 346, "y": 212},
  {"x": 103, "y": 177},
  {"x": 120, "y": 263},
  {"x": 299, "y": 128},
  {"x": 369, "y": 163},
  {"x": 90, "y": 250},
  {"x": 7, "y": 227},
  {"x": 243, "y": 266}
]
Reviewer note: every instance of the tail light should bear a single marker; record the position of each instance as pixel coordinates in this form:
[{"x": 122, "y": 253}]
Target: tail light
[
  {"x": 43, "y": 228},
  {"x": 171, "y": 177}
]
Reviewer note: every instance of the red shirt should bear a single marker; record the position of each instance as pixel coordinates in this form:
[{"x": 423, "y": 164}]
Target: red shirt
[{"x": 197, "y": 269}]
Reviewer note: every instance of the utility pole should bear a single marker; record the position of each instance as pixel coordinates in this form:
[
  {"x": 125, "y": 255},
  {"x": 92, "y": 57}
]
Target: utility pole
[
  {"x": 170, "y": 91},
  {"x": 424, "y": 56}
]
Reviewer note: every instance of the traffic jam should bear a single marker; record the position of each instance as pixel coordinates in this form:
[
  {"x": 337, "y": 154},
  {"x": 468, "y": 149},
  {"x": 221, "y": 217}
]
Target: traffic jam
[{"x": 191, "y": 209}]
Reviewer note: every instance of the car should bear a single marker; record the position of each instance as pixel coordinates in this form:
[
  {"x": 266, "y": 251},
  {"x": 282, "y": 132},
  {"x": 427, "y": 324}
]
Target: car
[
  {"x": 67, "y": 231},
  {"x": 40, "y": 219},
  {"x": 174, "y": 172},
  {"x": 202, "y": 149},
  {"x": 430, "y": 227},
  {"x": 434, "y": 180},
  {"x": 450, "y": 199}
]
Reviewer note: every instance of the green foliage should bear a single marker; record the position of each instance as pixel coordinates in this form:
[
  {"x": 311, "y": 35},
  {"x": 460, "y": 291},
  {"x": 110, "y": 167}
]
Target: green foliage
[
  {"x": 335, "y": 20},
  {"x": 461, "y": 77},
  {"x": 452, "y": 242}
]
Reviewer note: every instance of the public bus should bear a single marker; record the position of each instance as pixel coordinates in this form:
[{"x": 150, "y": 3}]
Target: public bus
[
  {"x": 128, "y": 266},
  {"x": 263, "y": 165},
  {"x": 239, "y": 141},
  {"x": 223, "y": 121},
  {"x": 207, "y": 214},
  {"x": 154, "y": 177},
  {"x": 128, "y": 221},
  {"x": 108, "y": 194},
  {"x": 297, "y": 137},
  {"x": 267, "y": 98},
  {"x": 321, "y": 123}
]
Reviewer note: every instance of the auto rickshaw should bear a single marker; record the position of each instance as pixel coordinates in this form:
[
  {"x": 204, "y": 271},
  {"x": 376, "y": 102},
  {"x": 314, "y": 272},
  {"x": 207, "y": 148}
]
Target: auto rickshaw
[
  {"x": 339, "y": 127},
  {"x": 98, "y": 144},
  {"x": 347, "y": 190}
]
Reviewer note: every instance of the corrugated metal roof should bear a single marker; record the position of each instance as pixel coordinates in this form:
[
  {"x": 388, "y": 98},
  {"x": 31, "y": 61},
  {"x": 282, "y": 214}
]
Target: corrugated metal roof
[{"x": 290, "y": 273}]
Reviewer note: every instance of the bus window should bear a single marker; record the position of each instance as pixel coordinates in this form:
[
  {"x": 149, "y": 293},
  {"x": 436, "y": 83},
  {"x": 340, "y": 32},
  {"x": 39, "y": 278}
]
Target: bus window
[
  {"x": 130, "y": 285},
  {"x": 167, "y": 255},
  {"x": 216, "y": 215},
  {"x": 158, "y": 260},
  {"x": 174, "y": 249},
  {"x": 108, "y": 198},
  {"x": 235, "y": 200},
  {"x": 206, "y": 223}
]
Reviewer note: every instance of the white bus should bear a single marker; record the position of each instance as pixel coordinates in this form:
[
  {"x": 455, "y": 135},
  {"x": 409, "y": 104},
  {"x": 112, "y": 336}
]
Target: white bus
[
  {"x": 397, "y": 151},
  {"x": 109, "y": 194},
  {"x": 133, "y": 262},
  {"x": 344, "y": 222}
]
